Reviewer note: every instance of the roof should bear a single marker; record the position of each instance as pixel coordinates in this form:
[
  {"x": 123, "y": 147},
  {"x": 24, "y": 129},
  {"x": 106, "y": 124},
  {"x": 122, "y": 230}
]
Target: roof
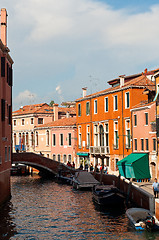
[
  {"x": 143, "y": 104},
  {"x": 43, "y": 108},
  {"x": 141, "y": 81},
  {"x": 71, "y": 121}
]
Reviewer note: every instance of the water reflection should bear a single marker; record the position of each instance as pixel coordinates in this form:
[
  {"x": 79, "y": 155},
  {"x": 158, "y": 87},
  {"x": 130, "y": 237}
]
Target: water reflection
[
  {"x": 7, "y": 222},
  {"x": 43, "y": 209}
]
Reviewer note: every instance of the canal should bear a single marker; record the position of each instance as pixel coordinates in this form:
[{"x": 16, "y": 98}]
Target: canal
[{"x": 44, "y": 209}]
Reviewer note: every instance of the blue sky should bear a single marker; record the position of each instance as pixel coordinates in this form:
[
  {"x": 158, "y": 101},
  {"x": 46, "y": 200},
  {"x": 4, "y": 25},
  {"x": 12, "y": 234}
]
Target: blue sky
[{"x": 59, "y": 46}]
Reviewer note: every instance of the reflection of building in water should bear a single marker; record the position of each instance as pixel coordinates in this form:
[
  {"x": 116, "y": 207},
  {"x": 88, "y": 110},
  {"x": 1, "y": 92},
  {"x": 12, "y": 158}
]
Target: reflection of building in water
[
  {"x": 5, "y": 111},
  {"x": 7, "y": 228}
]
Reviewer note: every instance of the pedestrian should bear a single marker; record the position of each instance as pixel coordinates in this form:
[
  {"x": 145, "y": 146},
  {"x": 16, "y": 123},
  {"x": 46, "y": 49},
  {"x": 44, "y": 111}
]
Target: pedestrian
[
  {"x": 105, "y": 169},
  {"x": 91, "y": 167},
  {"x": 155, "y": 186},
  {"x": 73, "y": 165}
]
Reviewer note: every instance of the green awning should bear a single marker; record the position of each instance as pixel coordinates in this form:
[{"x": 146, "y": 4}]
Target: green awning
[
  {"x": 83, "y": 154},
  {"x": 135, "y": 165}
]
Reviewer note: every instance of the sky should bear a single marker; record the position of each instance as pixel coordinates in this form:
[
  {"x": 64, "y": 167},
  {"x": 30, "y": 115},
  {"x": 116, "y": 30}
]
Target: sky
[{"x": 60, "y": 46}]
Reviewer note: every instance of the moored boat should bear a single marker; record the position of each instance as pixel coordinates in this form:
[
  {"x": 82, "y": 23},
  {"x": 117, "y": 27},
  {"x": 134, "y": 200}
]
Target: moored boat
[
  {"x": 107, "y": 195},
  {"x": 84, "y": 180},
  {"x": 142, "y": 219}
]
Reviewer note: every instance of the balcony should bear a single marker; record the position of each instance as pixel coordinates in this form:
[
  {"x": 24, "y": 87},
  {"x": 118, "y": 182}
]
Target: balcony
[{"x": 100, "y": 150}]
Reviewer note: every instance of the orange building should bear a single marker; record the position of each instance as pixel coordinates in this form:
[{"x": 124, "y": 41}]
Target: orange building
[
  {"x": 104, "y": 119},
  {"x": 5, "y": 111}
]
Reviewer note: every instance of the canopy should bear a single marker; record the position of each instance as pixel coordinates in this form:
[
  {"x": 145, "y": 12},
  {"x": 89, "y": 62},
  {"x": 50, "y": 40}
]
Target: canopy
[
  {"x": 135, "y": 165},
  {"x": 83, "y": 154}
]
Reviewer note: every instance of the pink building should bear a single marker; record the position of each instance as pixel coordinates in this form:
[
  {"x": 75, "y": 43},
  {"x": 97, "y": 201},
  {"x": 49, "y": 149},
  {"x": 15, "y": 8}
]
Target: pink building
[
  {"x": 144, "y": 132},
  {"x": 27, "y": 117},
  {"x": 5, "y": 111},
  {"x": 58, "y": 140}
]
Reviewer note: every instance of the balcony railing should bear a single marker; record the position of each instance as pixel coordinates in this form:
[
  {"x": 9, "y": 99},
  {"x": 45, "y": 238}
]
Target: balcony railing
[{"x": 99, "y": 150}]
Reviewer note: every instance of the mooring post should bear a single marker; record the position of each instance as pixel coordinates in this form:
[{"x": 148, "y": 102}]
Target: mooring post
[{"x": 129, "y": 188}]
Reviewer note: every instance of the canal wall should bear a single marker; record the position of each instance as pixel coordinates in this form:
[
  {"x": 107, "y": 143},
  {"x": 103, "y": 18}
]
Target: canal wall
[
  {"x": 134, "y": 193},
  {"x": 5, "y": 192}
]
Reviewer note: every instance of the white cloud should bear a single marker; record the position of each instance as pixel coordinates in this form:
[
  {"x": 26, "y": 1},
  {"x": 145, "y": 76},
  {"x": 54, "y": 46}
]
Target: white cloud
[
  {"x": 58, "y": 89},
  {"x": 25, "y": 97}
]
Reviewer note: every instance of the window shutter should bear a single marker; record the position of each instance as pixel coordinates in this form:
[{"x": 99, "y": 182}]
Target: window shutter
[
  {"x": 2, "y": 66},
  {"x": 2, "y": 109}
]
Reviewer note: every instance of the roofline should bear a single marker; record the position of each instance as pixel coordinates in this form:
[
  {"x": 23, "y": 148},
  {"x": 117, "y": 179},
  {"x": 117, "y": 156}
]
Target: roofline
[{"x": 111, "y": 91}]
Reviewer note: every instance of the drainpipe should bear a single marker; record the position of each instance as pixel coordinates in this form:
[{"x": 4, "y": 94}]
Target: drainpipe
[{"x": 132, "y": 131}]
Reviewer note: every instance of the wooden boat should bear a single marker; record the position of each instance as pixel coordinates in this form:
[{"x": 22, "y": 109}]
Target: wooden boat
[
  {"x": 108, "y": 195},
  {"x": 84, "y": 179},
  {"x": 142, "y": 219}
]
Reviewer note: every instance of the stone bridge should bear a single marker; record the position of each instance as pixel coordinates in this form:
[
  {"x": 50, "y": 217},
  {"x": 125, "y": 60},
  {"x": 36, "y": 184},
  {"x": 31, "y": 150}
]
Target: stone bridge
[{"x": 43, "y": 164}]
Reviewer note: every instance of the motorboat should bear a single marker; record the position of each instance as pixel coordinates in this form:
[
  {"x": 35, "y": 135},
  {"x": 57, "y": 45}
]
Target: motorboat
[
  {"x": 84, "y": 180},
  {"x": 108, "y": 195},
  {"x": 142, "y": 219}
]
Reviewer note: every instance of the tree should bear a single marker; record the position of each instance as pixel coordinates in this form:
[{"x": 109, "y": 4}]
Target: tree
[{"x": 51, "y": 103}]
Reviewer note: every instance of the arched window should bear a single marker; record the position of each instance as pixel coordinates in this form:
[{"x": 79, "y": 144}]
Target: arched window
[
  {"x": 36, "y": 137},
  {"x": 14, "y": 138},
  {"x": 47, "y": 138},
  {"x": 101, "y": 135}
]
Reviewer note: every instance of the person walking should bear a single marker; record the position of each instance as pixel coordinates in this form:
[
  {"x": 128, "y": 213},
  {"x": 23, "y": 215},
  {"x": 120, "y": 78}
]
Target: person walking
[{"x": 155, "y": 186}]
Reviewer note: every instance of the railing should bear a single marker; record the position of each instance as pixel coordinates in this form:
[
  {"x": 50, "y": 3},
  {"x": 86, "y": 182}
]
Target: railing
[{"x": 99, "y": 150}]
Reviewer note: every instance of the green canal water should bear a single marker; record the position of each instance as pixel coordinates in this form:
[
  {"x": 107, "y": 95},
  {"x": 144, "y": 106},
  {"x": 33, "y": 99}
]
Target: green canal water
[{"x": 44, "y": 209}]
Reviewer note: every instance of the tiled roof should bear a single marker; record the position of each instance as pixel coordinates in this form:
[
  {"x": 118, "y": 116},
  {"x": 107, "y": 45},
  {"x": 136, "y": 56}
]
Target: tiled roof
[
  {"x": 42, "y": 108},
  {"x": 71, "y": 121},
  {"x": 143, "y": 104},
  {"x": 141, "y": 81}
]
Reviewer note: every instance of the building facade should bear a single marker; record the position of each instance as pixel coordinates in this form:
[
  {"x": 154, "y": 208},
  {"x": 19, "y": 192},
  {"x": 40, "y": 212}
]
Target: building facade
[
  {"x": 104, "y": 133},
  {"x": 5, "y": 111},
  {"x": 58, "y": 140},
  {"x": 27, "y": 118},
  {"x": 144, "y": 133}
]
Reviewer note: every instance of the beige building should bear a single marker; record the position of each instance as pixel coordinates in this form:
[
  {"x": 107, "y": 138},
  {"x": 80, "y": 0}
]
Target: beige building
[{"x": 28, "y": 117}]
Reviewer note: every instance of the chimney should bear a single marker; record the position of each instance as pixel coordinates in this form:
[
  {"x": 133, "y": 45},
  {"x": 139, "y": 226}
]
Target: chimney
[
  {"x": 145, "y": 71},
  {"x": 122, "y": 78},
  {"x": 4, "y": 26},
  {"x": 55, "y": 109},
  {"x": 84, "y": 91},
  {"x": 67, "y": 115}
]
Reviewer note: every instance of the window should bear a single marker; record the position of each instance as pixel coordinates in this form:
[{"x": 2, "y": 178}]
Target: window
[
  {"x": 61, "y": 139},
  {"x": 87, "y": 108},
  {"x": 116, "y": 166},
  {"x": 47, "y": 138},
  {"x": 40, "y": 120},
  {"x": 135, "y": 144},
  {"x": 146, "y": 119},
  {"x": 32, "y": 138},
  {"x": 32, "y": 120},
  {"x": 116, "y": 138},
  {"x": 69, "y": 139},
  {"x": 2, "y": 110},
  {"x": 5, "y": 154},
  {"x": 95, "y": 106},
  {"x": 127, "y": 100},
  {"x": 53, "y": 139},
  {"x": 27, "y": 138},
  {"x": 0, "y": 159},
  {"x": 9, "y": 153},
  {"x": 58, "y": 157},
  {"x": 135, "y": 120},
  {"x": 14, "y": 122},
  {"x": 69, "y": 158},
  {"x": 88, "y": 136},
  {"x": 47, "y": 155},
  {"x": 10, "y": 115},
  {"x": 96, "y": 135},
  {"x": 2, "y": 66},
  {"x": 128, "y": 137},
  {"x": 14, "y": 139},
  {"x": 23, "y": 121},
  {"x": 142, "y": 144},
  {"x": 64, "y": 158},
  {"x": 115, "y": 103},
  {"x": 79, "y": 109},
  {"x": 107, "y": 137},
  {"x": 107, "y": 161},
  {"x": 147, "y": 144},
  {"x": 37, "y": 140},
  {"x": 106, "y": 104},
  {"x": 54, "y": 157},
  {"x": 79, "y": 137},
  {"x": 154, "y": 144}
]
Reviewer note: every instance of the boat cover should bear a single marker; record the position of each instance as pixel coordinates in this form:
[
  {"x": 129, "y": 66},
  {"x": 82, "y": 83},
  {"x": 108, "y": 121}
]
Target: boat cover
[{"x": 135, "y": 165}]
